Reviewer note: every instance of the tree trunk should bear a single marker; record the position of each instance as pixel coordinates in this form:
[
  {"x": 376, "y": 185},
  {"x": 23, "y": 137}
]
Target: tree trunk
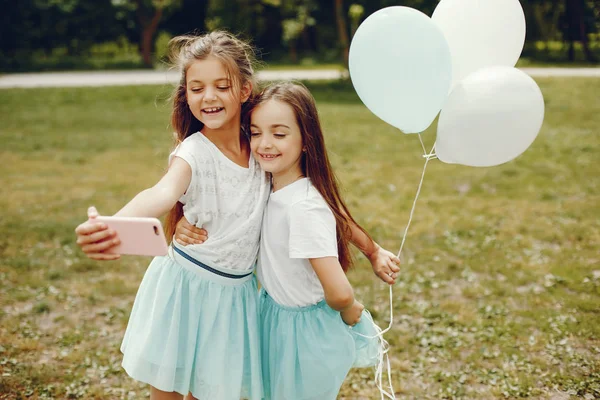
[
  {"x": 293, "y": 52},
  {"x": 342, "y": 29},
  {"x": 146, "y": 46},
  {"x": 574, "y": 14},
  {"x": 306, "y": 40},
  {"x": 147, "y": 34},
  {"x": 582, "y": 33},
  {"x": 571, "y": 51}
]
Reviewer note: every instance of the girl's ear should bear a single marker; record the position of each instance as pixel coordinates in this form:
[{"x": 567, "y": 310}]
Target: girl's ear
[{"x": 246, "y": 91}]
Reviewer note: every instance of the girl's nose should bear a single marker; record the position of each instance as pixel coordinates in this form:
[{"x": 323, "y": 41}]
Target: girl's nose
[
  {"x": 265, "y": 143},
  {"x": 210, "y": 94}
]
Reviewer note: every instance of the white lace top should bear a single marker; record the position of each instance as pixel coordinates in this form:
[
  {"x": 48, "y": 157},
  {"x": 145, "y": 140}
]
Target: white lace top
[{"x": 227, "y": 200}]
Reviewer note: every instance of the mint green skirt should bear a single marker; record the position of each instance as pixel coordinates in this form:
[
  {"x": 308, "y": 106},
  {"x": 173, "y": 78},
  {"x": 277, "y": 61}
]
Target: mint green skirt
[
  {"x": 192, "y": 330},
  {"x": 308, "y": 351}
]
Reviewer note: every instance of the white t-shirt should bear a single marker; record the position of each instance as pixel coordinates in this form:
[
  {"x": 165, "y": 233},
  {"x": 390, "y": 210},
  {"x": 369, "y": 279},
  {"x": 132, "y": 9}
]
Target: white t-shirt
[
  {"x": 297, "y": 225},
  {"x": 227, "y": 200}
]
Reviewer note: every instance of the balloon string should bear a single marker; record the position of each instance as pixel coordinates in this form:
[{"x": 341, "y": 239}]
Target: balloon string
[
  {"x": 384, "y": 347},
  {"x": 427, "y": 156},
  {"x": 422, "y": 144}
]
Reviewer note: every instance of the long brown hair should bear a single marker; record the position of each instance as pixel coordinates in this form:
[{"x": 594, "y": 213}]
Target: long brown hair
[
  {"x": 237, "y": 57},
  {"x": 314, "y": 161}
]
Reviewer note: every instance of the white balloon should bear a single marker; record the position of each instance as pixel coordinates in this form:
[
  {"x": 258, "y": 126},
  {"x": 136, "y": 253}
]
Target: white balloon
[
  {"x": 481, "y": 33},
  {"x": 490, "y": 117},
  {"x": 400, "y": 66}
]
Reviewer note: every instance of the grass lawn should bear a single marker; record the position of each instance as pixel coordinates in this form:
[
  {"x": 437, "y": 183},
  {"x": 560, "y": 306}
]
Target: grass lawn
[{"x": 499, "y": 295}]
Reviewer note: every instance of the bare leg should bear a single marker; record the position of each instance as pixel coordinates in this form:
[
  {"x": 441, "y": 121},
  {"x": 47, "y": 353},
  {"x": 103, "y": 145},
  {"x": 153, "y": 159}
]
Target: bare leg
[
  {"x": 156, "y": 394},
  {"x": 190, "y": 397}
]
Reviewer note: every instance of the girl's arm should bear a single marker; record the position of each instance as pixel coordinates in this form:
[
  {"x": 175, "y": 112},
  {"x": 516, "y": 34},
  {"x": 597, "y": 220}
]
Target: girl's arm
[
  {"x": 338, "y": 291},
  {"x": 160, "y": 198},
  {"x": 384, "y": 263},
  {"x": 186, "y": 233},
  {"x": 95, "y": 238}
]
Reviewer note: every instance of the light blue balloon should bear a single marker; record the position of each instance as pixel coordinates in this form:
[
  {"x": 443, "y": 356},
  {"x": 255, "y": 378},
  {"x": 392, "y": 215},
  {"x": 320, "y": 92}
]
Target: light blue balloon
[{"x": 401, "y": 68}]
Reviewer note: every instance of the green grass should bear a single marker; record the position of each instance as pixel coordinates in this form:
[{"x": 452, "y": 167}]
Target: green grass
[{"x": 499, "y": 295}]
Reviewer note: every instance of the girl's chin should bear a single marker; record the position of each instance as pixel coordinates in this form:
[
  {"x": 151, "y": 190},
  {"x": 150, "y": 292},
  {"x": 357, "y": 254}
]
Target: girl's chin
[
  {"x": 213, "y": 124},
  {"x": 266, "y": 168}
]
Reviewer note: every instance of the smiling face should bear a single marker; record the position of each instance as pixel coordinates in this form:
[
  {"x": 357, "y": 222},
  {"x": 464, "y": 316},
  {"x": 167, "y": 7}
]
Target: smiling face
[
  {"x": 211, "y": 96},
  {"x": 276, "y": 140}
]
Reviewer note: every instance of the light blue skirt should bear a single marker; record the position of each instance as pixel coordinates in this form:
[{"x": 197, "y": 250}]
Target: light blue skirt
[
  {"x": 308, "y": 351},
  {"x": 192, "y": 330}
]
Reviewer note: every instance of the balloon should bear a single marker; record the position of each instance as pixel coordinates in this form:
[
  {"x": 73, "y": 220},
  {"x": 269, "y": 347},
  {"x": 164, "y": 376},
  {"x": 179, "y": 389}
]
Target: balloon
[
  {"x": 481, "y": 33},
  {"x": 490, "y": 117},
  {"x": 400, "y": 67}
]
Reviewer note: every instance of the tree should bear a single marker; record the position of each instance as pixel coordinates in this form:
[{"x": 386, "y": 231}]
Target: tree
[
  {"x": 542, "y": 20},
  {"x": 268, "y": 29},
  {"x": 294, "y": 28},
  {"x": 576, "y": 29},
  {"x": 355, "y": 13},
  {"x": 29, "y": 28},
  {"x": 295, "y": 18},
  {"x": 145, "y": 16},
  {"x": 189, "y": 17},
  {"x": 340, "y": 22}
]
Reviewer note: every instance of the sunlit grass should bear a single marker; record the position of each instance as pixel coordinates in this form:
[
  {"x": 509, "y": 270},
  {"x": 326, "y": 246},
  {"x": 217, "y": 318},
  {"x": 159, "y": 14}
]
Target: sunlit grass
[{"x": 500, "y": 287}]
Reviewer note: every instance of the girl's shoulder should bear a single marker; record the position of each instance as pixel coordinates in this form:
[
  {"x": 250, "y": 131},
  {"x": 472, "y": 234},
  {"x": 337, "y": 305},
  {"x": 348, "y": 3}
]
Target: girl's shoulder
[
  {"x": 194, "y": 150},
  {"x": 308, "y": 199},
  {"x": 310, "y": 194},
  {"x": 196, "y": 143},
  {"x": 195, "y": 138},
  {"x": 311, "y": 210}
]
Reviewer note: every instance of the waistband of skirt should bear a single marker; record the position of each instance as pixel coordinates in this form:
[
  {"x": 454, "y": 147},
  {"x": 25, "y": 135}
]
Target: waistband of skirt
[
  {"x": 217, "y": 274},
  {"x": 321, "y": 304}
]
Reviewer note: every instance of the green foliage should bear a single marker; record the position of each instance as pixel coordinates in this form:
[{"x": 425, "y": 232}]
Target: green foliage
[
  {"x": 355, "y": 12},
  {"x": 133, "y": 5},
  {"x": 161, "y": 46},
  {"x": 114, "y": 49},
  {"x": 294, "y": 27},
  {"x": 234, "y": 15},
  {"x": 284, "y": 30}
]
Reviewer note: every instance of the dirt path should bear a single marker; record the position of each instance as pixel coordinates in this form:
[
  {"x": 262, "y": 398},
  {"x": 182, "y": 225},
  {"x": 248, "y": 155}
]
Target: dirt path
[{"x": 147, "y": 77}]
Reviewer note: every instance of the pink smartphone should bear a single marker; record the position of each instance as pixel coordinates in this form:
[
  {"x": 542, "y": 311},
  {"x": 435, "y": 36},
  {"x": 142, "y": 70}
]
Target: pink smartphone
[{"x": 139, "y": 236}]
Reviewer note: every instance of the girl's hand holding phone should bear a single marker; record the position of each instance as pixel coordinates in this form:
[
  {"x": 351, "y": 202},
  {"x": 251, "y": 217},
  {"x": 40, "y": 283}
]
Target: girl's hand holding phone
[
  {"x": 95, "y": 238},
  {"x": 352, "y": 314}
]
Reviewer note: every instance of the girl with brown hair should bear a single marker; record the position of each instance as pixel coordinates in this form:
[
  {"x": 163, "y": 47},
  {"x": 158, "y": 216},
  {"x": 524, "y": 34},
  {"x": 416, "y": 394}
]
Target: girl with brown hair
[
  {"x": 309, "y": 316},
  {"x": 194, "y": 324}
]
